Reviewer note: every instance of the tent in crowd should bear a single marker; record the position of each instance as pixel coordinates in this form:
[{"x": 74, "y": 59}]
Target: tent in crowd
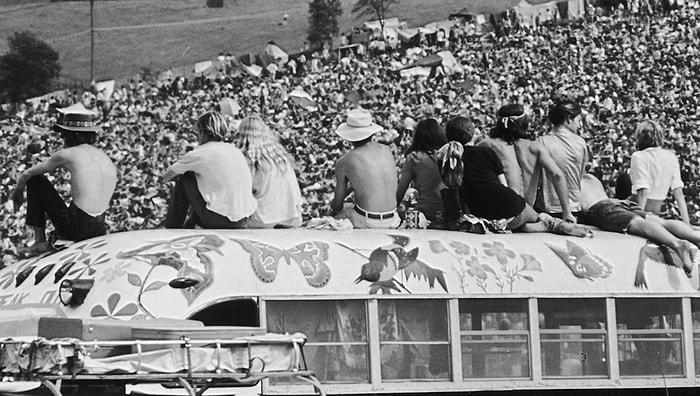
[
  {"x": 571, "y": 8},
  {"x": 375, "y": 26},
  {"x": 246, "y": 59},
  {"x": 206, "y": 68},
  {"x": 263, "y": 59},
  {"x": 107, "y": 86},
  {"x": 276, "y": 53},
  {"x": 60, "y": 95},
  {"x": 547, "y": 10},
  {"x": 254, "y": 70},
  {"x": 420, "y": 71},
  {"x": 302, "y": 99},
  {"x": 444, "y": 59},
  {"x": 444, "y": 25}
]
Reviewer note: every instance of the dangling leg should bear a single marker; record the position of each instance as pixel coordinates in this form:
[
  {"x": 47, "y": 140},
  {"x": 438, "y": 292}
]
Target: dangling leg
[
  {"x": 178, "y": 205},
  {"x": 657, "y": 233},
  {"x": 44, "y": 201}
]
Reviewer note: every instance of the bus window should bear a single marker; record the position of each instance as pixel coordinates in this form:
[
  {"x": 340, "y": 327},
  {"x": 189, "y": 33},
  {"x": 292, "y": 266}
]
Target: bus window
[
  {"x": 495, "y": 338},
  {"x": 572, "y": 334},
  {"x": 238, "y": 312},
  {"x": 649, "y": 337},
  {"x": 336, "y": 331},
  {"x": 413, "y": 339},
  {"x": 695, "y": 306}
]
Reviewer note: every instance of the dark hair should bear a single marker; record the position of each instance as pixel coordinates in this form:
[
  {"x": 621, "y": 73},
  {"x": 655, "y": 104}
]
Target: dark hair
[
  {"x": 459, "y": 129},
  {"x": 72, "y": 139},
  {"x": 562, "y": 111},
  {"x": 427, "y": 137},
  {"x": 213, "y": 125},
  {"x": 511, "y": 124},
  {"x": 362, "y": 142}
]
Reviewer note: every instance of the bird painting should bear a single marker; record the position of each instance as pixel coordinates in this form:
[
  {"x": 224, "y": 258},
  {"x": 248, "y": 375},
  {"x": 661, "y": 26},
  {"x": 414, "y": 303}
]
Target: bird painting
[
  {"x": 656, "y": 253},
  {"x": 581, "y": 261},
  {"x": 385, "y": 262}
]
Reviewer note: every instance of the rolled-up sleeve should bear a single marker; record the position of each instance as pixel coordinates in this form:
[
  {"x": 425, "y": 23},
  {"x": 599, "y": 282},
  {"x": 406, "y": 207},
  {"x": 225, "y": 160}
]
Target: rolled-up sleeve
[{"x": 639, "y": 174}]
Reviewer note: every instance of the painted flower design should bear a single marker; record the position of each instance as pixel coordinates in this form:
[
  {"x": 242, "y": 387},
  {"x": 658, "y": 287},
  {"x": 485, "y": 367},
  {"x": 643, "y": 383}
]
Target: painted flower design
[
  {"x": 112, "y": 311},
  {"x": 478, "y": 270},
  {"x": 117, "y": 271},
  {"x": 460, "y": 248},
  {"x": 498, "y": 250}
]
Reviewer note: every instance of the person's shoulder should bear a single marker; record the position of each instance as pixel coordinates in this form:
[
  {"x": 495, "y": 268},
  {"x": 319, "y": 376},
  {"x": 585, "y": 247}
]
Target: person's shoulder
[
  {"x": 479, "y": 150},
  {"x": 416, "y": 156}
]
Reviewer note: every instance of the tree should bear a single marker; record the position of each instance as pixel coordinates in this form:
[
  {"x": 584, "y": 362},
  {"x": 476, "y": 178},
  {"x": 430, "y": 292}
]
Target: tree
[
  {"x": 374, "y": 7},
  {"x": 28, "y": 69},
  {"x": 323, "y": 21}
]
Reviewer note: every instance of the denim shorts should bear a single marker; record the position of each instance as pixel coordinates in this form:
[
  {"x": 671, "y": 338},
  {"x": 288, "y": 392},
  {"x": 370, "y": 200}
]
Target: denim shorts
[{"x": 613, "y": 214}]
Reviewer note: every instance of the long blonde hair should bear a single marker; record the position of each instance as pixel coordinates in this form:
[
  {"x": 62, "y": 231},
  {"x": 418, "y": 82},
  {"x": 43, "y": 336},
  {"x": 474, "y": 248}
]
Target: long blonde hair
[{"x": 260, "y": 145}]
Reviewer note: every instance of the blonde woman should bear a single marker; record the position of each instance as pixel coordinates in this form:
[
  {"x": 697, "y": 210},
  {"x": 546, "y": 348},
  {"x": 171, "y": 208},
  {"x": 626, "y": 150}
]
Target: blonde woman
[
  {"x": 275, "y": 185},
  {"x": 654, "y": 171}
]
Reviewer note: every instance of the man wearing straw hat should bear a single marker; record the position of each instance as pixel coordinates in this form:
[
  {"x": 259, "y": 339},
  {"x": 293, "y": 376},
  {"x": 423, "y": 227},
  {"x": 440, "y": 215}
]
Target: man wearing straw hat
[
  {"x": 369, "y": 169},
  {"x": 93, "y": 178}
]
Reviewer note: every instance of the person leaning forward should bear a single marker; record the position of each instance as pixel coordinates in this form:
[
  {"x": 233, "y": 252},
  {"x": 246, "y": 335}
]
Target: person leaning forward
[
  {"x": 93, "y": 178},
  {"x": 369, "y": 169},
  {"x": 213, "y": 180}
]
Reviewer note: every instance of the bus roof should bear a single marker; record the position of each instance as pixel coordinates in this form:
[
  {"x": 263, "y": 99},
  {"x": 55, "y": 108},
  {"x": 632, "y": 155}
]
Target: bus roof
[{"x": 173, "y": 273}]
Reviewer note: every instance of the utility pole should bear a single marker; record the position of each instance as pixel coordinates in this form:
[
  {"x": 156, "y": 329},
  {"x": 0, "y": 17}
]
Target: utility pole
[{"x": 92, "y": 46}]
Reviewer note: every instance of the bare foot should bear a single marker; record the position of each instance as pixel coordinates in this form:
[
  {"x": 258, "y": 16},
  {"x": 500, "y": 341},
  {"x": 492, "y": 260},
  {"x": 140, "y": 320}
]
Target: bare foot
[
  {"x": 35, "y": 249},
  {"x": 578, "y": 230},
  {"x": 689, "y": 256}
]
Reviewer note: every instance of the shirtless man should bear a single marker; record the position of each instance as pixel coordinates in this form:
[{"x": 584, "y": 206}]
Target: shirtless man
[
  {"x": 93, "y": 178},
  {"x": 526, "y": 158},
  {"x": 626, "y": 216},
  {"x": 369, "y": 169}
]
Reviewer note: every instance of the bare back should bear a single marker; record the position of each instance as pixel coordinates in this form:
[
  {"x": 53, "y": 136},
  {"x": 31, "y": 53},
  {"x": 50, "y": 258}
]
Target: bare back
[
  {"x": 592, "y": 191},
  {"x": 371, "y": 170},
  {"x": 511, "y": 167},
  {"x": 530, "y": 166},
  {"x": 93, "y": 177}
]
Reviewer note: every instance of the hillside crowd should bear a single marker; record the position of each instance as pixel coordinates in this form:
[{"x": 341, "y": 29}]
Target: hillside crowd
[{"x": 620, "y": 68}]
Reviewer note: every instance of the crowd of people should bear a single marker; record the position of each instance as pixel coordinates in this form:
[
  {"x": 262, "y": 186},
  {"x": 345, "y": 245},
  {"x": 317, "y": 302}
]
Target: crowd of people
[{"x": 620, "y": 68}]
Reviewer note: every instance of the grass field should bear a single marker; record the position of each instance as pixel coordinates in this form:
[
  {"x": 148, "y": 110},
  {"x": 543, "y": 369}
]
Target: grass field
[{"x": 131, "y": 34}]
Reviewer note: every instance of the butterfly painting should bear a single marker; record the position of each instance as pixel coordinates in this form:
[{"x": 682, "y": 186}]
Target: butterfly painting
[
  {"x": 581, "y": 261},
  {"x": 309, "y": 256}
]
